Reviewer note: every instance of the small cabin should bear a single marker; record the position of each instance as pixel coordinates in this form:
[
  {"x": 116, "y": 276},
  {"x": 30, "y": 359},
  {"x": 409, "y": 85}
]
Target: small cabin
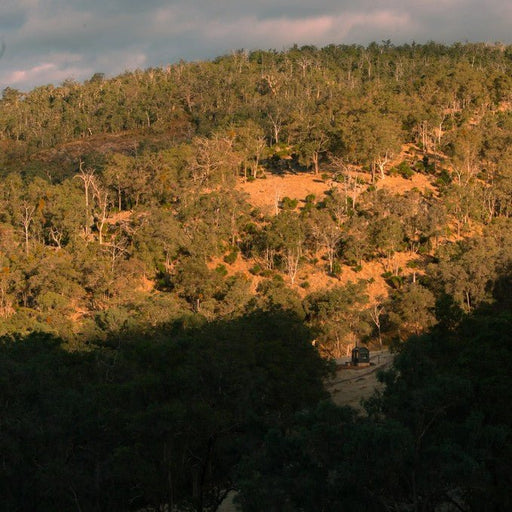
[{"x": 360, "y": 356}]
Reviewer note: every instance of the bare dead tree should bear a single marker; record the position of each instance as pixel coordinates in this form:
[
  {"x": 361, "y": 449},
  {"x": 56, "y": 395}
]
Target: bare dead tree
[
  {"x": 88, "y": 178},
  {"x": 101, "y": 197},
  {"x": 27, "y": 216}
]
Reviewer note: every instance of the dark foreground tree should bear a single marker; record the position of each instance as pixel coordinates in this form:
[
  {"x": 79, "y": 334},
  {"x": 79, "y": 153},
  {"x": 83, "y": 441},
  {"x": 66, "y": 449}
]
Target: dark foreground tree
[
  {"x": 450, "y": 389},
  {"x": 329, "y": 460},
  {"x": 439, "y": 436},
  {"x": 148, "y": 419}
]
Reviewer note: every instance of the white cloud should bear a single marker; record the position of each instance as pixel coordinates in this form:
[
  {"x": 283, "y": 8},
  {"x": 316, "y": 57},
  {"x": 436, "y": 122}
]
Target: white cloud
[
  {"x": 42, "y": 74},
  {"x": 319, "y": 30},
  {"x": 280, "y": 29}
]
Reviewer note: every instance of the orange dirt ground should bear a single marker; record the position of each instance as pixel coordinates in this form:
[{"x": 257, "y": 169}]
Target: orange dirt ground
[{"x": 262, "y": 193}]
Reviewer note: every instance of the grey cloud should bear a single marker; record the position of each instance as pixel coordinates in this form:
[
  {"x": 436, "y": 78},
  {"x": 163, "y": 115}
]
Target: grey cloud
[
  {"x": 48, "y": 38},
  {"x": 12, "y": 21}
]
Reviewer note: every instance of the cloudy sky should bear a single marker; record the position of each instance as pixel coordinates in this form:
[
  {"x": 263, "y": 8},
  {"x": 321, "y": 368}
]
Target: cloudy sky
[{"x": 48, "y": 41}]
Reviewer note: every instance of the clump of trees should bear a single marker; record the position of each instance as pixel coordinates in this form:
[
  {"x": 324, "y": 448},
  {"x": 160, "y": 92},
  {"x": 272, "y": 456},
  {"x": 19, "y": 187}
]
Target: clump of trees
[
  {"x": 119, "y": 195},
  {"x": 178, "y": 416},
  {"x": 438, "y": 436},
  {"x": 148, "y": 419}
]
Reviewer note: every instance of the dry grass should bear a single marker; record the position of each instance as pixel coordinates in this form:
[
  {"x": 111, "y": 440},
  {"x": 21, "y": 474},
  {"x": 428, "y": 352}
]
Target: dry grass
[{"x": 263, "y": 193}]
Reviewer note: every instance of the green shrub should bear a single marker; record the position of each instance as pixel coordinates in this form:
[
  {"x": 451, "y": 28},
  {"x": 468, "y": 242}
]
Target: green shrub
[
  {"x": 278, "y": 278},
  {"x": 221, "y": 270},
  {"x": 255, "y": 269},
  {"x": 231, "y": 257},
  {"x": 403, "y": 169},
  {"x": 289, "y": 204},
  {"x": 336, "y": 269},
  {"x": 444, "y": 178}
]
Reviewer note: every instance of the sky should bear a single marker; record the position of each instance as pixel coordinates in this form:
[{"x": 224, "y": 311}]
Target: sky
[{"x": 50, "y": 41}]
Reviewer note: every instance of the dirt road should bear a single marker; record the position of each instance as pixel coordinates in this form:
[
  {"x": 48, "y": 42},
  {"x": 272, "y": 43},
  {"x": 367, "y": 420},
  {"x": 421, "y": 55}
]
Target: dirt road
[{"x": 350, "y": 386}]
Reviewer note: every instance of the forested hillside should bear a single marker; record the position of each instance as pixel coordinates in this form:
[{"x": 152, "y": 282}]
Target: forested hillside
[
  {"x": 162, "y": 300},
  {"x": 121, "y": 205}
]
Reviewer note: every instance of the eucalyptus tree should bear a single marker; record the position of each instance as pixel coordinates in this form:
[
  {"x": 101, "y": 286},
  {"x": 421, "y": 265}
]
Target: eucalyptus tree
[
  {"x": 372, "y": 139},
  {"x": 339, "y": 315}
]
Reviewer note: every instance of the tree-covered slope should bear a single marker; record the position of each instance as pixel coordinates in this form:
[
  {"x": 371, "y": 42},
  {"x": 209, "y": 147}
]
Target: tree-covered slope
[{"x": 120, "y": 202}]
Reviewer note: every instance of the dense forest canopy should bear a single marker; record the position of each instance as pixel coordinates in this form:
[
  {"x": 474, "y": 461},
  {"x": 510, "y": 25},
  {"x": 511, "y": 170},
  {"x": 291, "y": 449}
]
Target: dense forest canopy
[{"x": 161, "y": 330}]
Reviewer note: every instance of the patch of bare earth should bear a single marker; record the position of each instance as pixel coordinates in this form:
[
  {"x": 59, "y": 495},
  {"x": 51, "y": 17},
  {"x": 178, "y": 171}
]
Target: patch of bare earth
[
  {"x": 399, "y": 185},
  {"x": 266, "y": 194},
  {"x": 317, "y": 279},
  {"x": 353, "y": 386}
]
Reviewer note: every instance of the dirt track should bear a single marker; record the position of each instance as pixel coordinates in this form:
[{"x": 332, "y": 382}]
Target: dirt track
[{"x": 350, "y": 386}]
